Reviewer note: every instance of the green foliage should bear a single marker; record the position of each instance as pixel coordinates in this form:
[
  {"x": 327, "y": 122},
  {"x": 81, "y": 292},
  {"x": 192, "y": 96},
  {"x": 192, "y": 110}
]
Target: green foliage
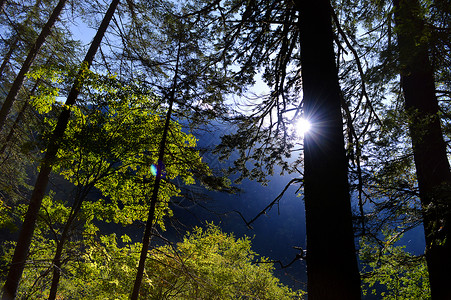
[
  {"x": 6, "y": 219},
  {"x": 392, "y": 273},
  {"x": 112, "y": 145},
  {"x": 214, "y": 265},
  {"x": 36, "y": 279},
  {"x": 49, "y": 80},
  {"x": 208, "y": 264}
]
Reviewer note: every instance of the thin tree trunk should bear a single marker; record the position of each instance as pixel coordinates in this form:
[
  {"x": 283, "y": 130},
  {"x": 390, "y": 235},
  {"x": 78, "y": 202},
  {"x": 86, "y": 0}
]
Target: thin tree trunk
[
  {"x": 8, "y": 55},
  {"x": 27, "y": 229},
  {"x": 332, "y": 269},
  {"x": 56, "y": 262},
  {"x": 17, "y": 84},
  {"x": 15, "y": 41},
  {"x": 14, "y": 126},
  {"x": 154, "y": 199},
  {"x": 429, "y": 148}
]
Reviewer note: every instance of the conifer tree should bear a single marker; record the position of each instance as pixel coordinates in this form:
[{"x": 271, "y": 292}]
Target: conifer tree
[
  {"x": 331, "y": 269},
  {"x": 17, "y": 84},
  {"x": 429, "y": 148}
]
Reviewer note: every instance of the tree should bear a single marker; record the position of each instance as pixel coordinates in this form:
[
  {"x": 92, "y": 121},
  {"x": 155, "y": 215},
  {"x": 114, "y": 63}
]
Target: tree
[
  {"x": 412, "y": 170},
  {"x": 156, "y": 186},
  {"x": 331, "y": 274},
  {"x": 269, "y": 34},
  {"x": 213, "y": 265},
  {"x": 46, "y": 30},
  {"x": 110, "y": 145},
  {"x": 429, "y": 148},
  {"x": 125, "y": 120},
  {"x": 400, "y": 274},
  {"x": 207, "y": 264},
  {"x": 26, "y": 233},
  {"x": 148, "y": 47},
  {"x": 13, "y": 43}
]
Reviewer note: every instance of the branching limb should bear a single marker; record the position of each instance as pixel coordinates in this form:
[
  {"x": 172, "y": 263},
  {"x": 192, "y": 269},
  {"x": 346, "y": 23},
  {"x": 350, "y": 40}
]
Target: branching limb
[{"x": 269, "y": 206}]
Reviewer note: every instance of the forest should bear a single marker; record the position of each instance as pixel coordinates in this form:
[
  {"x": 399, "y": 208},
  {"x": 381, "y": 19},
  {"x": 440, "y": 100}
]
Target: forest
[{"x": 107, "y": 114}]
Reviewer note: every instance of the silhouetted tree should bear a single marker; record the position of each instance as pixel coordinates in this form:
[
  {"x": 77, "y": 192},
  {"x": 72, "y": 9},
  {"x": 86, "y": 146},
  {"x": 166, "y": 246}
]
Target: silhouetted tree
[
  {"x": 331, "y": 258},
  {"x": 429, "y": 148},
  {"x": 277, "y": 35}
]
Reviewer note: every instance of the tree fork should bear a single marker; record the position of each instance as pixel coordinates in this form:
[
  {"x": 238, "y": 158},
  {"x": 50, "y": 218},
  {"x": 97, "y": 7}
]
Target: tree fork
[{"x": 26, "y": 233}]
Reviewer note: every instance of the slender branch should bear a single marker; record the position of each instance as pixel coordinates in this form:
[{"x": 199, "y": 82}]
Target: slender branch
[{"x": 270, "y": 205}]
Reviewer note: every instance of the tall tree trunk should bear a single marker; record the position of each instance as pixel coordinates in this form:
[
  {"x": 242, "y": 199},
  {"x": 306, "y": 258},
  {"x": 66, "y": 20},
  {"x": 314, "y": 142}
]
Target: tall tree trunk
[
  {"x": 332, "y": 269},
  {"x": 17, "y": 84},
  {"x": 429, "y": 148},
  {"x": 154, "y": 199},
  {"x": 26, "y": 233}
]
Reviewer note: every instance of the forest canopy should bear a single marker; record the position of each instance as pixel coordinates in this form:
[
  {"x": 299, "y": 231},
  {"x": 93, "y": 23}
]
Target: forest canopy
[{"x": 106, "y": 106}]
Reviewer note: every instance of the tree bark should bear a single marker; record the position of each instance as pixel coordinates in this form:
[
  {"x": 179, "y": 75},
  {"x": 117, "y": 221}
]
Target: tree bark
[
  {"x": 27, "y": 229},
  {"x": 17, "y": 84},
  {"x": 429, "y": 148},
  {"x": 332, "y": 269}
]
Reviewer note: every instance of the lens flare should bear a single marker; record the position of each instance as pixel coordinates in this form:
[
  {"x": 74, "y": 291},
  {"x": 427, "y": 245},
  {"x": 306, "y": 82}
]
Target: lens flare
[
  {"x": 303, "y": 126},
  {"x": 153, "y": 170}
]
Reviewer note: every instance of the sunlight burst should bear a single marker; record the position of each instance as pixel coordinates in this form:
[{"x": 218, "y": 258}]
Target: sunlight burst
[{"x": 302, "y": 126}]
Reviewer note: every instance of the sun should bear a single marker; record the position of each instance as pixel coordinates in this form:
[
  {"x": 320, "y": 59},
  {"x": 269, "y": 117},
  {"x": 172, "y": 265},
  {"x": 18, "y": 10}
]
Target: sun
[{"x": 302, "y": 126}]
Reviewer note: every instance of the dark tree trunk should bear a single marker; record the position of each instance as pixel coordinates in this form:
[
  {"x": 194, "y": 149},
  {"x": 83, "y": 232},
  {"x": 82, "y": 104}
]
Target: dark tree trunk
[
  {"x": 27, "y": 229},
  {"x": 17, "y": 84},
  {"x": 332, "y": 269},
  {"x": 429, "y": 148}
]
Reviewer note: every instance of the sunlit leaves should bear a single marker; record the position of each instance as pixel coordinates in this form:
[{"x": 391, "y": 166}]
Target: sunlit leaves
[
  {"x": 111, "y": 144},
  {"x": 208, "y": 264},
  {"x": 392, "y": 273}
]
